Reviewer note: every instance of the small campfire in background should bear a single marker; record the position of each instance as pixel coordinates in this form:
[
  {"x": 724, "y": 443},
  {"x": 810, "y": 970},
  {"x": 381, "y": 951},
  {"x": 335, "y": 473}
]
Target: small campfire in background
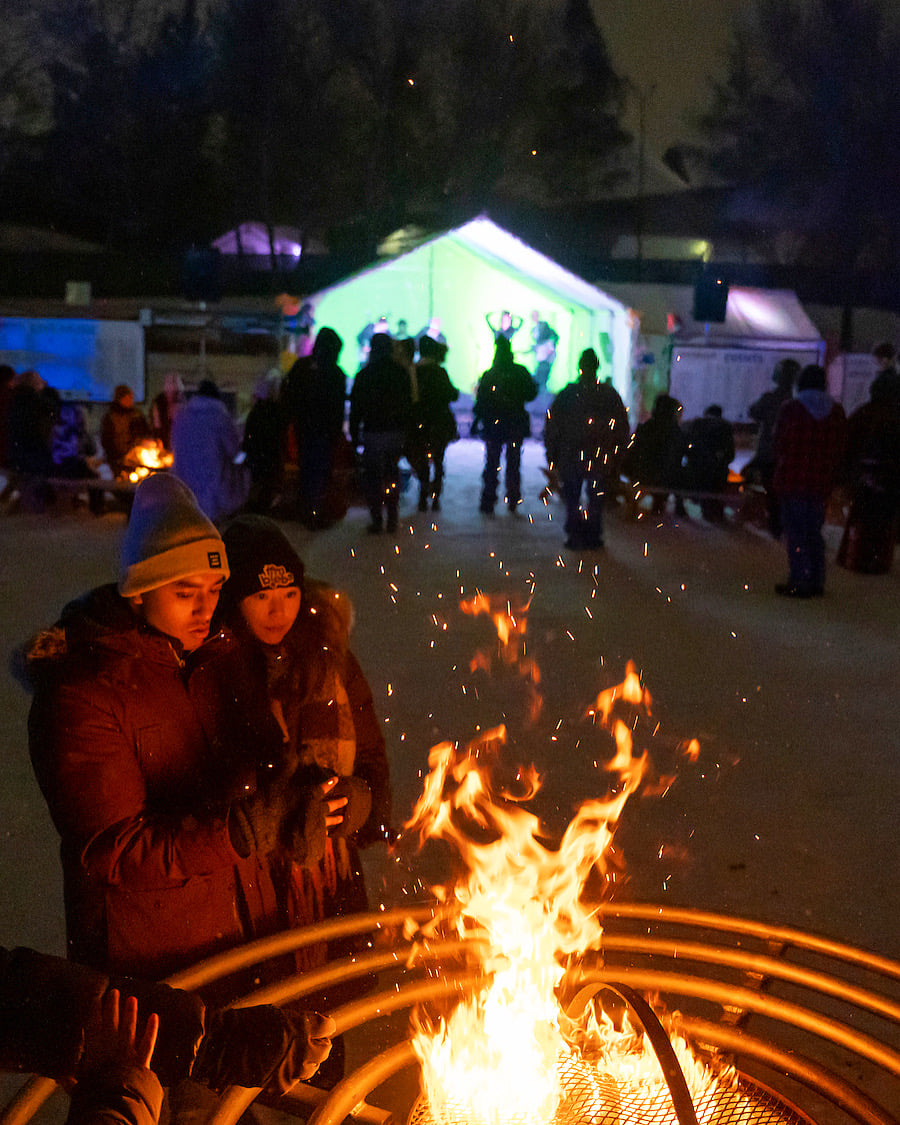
[
  {"x": 530, "y": 1046},
  {"x": 148, "y": 456}
]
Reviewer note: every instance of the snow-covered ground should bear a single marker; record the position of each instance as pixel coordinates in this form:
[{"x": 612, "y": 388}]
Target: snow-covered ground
[{"x": 790, "y": 813}]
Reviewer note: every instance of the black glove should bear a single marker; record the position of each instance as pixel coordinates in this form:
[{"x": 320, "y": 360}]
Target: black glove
[
  {"x": 358, "y": 806},
  {"x": 305, "y": 829},
  {"x": 262, "y": 1046},
  {"x": 257, "y": 822}
]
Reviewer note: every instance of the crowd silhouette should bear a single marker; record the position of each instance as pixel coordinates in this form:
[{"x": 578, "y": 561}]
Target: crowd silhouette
[{"x": 310, "y": 448}]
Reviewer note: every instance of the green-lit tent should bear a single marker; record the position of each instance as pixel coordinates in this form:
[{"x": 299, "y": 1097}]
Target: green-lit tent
[{"x": 463, "y": 275}]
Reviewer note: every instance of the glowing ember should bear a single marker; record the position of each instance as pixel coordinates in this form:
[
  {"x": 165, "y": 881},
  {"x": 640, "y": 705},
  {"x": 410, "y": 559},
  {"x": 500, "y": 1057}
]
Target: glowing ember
[
  {"x": 510, "y": 1053},
  {"x": 146, "y": 457}
]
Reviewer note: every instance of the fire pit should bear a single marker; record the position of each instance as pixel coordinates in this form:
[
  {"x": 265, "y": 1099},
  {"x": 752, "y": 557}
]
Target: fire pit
[
  {"x": 809, "y": 1024},
  {"x": 537, "y": 998},
  {"x": 806, "y": 1022}
]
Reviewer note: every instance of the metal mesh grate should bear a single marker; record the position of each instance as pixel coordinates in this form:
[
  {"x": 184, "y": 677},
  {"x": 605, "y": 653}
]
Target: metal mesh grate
[{"x": 591, "y": 1098}]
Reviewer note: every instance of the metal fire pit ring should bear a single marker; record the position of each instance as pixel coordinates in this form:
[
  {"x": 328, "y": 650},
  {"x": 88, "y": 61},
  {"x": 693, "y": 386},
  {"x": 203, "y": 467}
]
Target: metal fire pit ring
[{"x": 810, "y": 1022}]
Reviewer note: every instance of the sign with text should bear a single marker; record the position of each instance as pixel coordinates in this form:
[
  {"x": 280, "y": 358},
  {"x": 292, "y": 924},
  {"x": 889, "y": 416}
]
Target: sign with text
[{"x": 732, "y": 377}]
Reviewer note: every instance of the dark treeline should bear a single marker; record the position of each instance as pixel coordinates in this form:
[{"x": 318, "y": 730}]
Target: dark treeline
[{"x": 341, "y": 117}]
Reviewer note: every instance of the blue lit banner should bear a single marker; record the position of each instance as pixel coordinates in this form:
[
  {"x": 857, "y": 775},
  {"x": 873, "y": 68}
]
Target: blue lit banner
[{"x": 83, "y": 359}]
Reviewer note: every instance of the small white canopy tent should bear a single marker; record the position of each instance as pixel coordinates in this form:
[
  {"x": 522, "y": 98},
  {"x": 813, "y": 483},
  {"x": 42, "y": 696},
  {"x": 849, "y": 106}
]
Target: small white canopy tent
[
  {"x": 462, "y": 275},
  {"x": 729, "y": 363}
]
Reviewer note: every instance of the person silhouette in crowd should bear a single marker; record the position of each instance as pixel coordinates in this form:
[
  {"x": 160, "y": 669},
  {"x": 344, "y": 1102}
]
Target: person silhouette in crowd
[
  {"x": 380, "y": 410},
  {"x": 404, "y": 352},
  {"x": 433, "y": 330},
  {"x": 500, "y": 418},
  {"x": 314, "y": 401},
  {"x": 544, "y": 340},
  {"x": 7, "y": 383},
  {"x": 810, "y": 447},
  {"x": 304, "y": 328},
  {"x": 505, "y": 326},
  {"x": 205, "y": 443},
  {"x": 80, "y": 1027},
  {"x": 122, "y": 427},
  {"x": 585, "y": 437},
  {"x": 29, "y": 425},
  {"x": 294, "y": 635},
  {"x": 262, "y": 442},
  {"x": 71, "y": 450},
  {"x": 164, "y": 407},
  {"x": 873, "y": 464},
  {"x": 31, "y": 416},
  {"x": 710, "y": 451},
  {"x": 764, "y": 411},
  {"x": 655, "y": 458},
  {"x": 175, "y": 811},
  {"x": 887, "y": 378},
  {"x": 433, "y": 424}
]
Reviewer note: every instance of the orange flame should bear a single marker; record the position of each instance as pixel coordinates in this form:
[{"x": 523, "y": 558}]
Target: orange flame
[
  {"x": 502, "y": 1053},
  {"x": 148, "y": 456}
]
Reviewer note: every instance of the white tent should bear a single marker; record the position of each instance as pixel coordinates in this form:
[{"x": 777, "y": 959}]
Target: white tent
[
  {"x": 729, "y": 363},
  {"x": 461, "y": 276}
]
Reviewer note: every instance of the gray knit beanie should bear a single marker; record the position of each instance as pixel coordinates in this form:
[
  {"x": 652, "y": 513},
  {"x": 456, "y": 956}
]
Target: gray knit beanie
[{"x": 167, "y": 538}]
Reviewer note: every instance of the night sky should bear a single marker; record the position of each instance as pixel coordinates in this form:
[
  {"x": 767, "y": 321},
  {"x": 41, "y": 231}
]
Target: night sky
[{"x": 677, "y": 44}]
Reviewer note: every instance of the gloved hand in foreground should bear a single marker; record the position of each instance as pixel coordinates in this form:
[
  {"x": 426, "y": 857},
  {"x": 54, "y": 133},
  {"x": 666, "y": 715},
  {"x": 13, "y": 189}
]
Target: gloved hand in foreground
[{"x": 262, "y": 1046}]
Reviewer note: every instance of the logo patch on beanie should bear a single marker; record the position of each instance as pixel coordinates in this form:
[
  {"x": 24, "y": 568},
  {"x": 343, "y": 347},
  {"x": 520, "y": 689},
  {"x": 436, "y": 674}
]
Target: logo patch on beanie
[
  {"x": 272, "y": 576},
  {"x": 214, "y": 558}
]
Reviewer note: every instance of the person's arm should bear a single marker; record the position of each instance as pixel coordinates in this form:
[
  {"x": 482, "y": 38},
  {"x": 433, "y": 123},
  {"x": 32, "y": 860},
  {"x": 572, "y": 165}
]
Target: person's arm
[
  {"x": 371, "y": 762},
  {"x": 86, "y": 761},
  {"x": 451, "y": 391},
  {"x": 87, "y": 765},
  {"x": 51, "y": 1013}
]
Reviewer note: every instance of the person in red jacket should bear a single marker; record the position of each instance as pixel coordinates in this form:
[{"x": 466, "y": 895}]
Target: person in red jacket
[{"x": 810, "y": 446}]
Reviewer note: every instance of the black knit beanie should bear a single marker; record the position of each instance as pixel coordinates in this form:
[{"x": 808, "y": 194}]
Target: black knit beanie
[{"x": 260, "y": 558}]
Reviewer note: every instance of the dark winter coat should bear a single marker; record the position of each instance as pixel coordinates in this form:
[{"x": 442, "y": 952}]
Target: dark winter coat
[
  {"x": 263, "y": 435},
  {"x": 139, "y": 754},
  {"x": 499, "y": 412},
  {"x": 586, "y": 430},
  {"x": 656, "y": 456},
  {"x": 380, "y": 400},
  {"x": 710, "y": 451},
  {"x": 433, "y": 424},
  {"x": 765, "y": 412},
  {"x": 29, "y": 426},
  {"x": 47, "y": 1003},
  {"x": 810, "y": 445},
  {"x": 327, "y": 720},
  {"x": 314, "y": 398}
]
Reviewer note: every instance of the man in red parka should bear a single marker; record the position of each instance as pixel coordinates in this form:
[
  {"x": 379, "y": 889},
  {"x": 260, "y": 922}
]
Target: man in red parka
[{"x": 810, "y": 446}]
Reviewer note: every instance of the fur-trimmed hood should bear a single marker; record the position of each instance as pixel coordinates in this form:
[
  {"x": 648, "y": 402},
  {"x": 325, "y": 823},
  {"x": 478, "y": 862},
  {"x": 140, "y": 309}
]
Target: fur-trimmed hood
[{"x": 96, "y": 624}]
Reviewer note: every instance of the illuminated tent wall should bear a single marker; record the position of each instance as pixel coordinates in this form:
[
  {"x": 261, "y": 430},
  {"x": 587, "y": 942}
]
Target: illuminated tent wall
[
  {"x": 466, "y": 273},
  {"x": 729, "y": 363}
]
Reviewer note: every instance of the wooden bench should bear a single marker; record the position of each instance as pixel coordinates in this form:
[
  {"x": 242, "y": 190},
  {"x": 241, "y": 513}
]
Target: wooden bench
[
  {"x": 32, "y": 493},
  {"x": 745, "y": 500}
]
